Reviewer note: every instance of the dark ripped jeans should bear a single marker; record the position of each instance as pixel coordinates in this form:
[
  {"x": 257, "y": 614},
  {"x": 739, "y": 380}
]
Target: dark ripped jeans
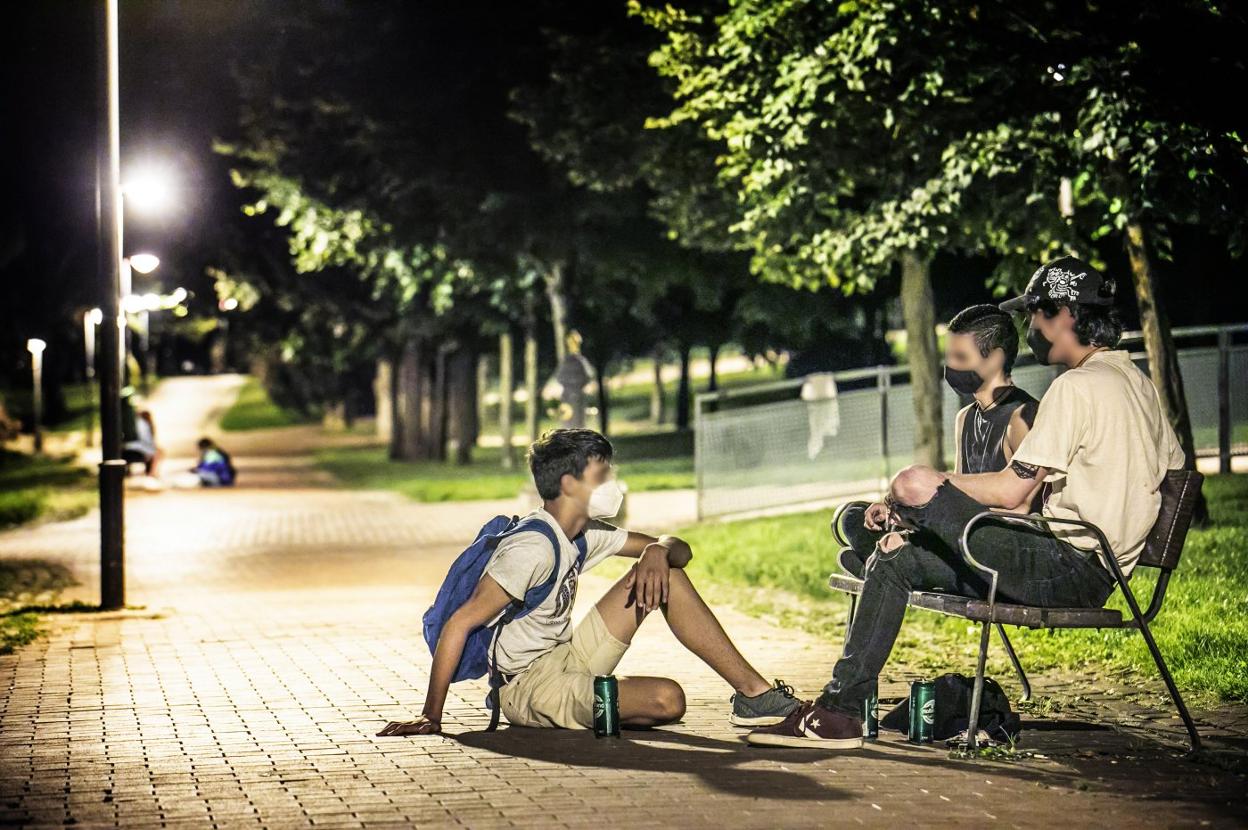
[{"x": 1035, "y": 569}]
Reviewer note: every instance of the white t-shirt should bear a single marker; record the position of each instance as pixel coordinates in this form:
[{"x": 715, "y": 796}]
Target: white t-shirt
[
  {"x": 1103, "y": 436},
  {"x": 523, "y": 562}
]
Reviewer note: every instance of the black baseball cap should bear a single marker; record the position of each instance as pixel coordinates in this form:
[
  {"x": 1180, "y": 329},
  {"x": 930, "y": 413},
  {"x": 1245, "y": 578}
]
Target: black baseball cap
[{"x": 1067, "y": 279}]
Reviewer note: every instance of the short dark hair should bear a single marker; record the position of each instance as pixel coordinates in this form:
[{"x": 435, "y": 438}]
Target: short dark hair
[
  {"x": 1095, "y": 325},
  {"x": 991, "y": 329},
  {"x": 561, "y": 452},
  {"x": 205, "y": 443}
]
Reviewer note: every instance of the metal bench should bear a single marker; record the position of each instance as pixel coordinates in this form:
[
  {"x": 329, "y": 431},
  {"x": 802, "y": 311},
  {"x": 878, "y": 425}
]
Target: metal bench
[{"x": 1162, "y": 549}]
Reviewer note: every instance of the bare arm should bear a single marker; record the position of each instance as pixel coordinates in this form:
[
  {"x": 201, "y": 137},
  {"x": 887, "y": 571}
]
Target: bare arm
[
  {"x": 484, "y": 605},
  {"x": 648, "y": 579},
  {"x": 1010, "y": 488},
  {"x": 1014, "y": 436},
  {"x": 677, "y": 551}
]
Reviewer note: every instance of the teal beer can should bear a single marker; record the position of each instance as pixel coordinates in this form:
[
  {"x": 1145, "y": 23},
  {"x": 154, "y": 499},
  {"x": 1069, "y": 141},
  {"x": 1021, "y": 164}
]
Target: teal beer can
[
  {"x": 606, "y": 707},
  {"x": 922, "y": 711},
  {"x": 871, "y": 712}
]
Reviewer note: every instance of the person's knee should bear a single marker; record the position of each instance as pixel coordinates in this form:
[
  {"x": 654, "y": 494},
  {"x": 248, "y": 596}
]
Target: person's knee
[
  {"x": 890, "y": 563},
  {"x": 669, "y": 702},
  {"x": 890, "y": 542},
  {"x": 915, "y": 485}
]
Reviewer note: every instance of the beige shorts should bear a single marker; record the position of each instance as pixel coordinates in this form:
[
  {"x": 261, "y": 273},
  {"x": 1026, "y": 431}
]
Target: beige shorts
[{"x": 558, "y": 688}]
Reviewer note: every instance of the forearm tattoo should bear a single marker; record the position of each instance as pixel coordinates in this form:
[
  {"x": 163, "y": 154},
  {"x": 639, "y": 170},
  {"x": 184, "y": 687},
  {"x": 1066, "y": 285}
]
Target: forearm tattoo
[{"x": 1026, "y": 471}]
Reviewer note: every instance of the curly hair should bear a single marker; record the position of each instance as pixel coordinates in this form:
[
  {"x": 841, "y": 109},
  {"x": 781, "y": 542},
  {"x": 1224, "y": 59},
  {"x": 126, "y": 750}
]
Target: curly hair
[
  {"x": 1095, "y": 325},
  {"x": 562, "y": 452}
]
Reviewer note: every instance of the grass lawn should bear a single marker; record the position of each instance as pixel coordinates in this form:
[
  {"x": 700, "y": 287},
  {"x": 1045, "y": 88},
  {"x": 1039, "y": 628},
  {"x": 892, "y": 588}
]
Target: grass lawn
[
  {"x": 778, "y": 567},
  {"x": 42, "y": 487},
  {"x": 254, "y": 409},
  {"x": 662, "y": 461},
  {"x": 23, "y": 581}
]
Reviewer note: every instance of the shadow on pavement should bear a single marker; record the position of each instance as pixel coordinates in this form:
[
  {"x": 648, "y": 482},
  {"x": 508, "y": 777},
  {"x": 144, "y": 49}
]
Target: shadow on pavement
[
  {"x": 1066, "y": 755},
  {"x": 718, "y": 764}
]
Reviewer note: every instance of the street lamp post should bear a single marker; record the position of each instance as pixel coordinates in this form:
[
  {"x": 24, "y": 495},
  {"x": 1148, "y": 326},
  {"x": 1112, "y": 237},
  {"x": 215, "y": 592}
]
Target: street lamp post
[
  {"x": 36, "y": 346},
  {"x": 108, "y": 206},
  {"x": 148, "y": 191}
]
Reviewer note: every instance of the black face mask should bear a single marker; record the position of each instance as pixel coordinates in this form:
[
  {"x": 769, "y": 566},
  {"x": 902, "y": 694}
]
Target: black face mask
[
  {"x": 1040, "y": 345},
  {"x": 963, "y": 381}
]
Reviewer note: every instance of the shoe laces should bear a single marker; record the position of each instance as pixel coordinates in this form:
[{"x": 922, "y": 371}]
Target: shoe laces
[{"x": 784, "y": 689}]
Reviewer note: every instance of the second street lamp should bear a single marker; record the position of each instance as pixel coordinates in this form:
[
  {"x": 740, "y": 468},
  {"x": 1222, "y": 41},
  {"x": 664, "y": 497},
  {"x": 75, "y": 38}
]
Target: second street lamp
[
  {"x": 36, "y": 346},
  {"x": 90, "y": 319}
]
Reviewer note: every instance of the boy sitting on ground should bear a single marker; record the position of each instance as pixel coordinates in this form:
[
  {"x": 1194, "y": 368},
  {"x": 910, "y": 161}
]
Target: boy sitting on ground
[{"x": 546, "y": 665}]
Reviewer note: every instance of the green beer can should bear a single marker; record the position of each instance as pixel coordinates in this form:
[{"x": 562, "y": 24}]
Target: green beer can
[
  {"x": 922, "y": 711},
  {"x": 606, "y": 707},
  {"x": 871, "y": 712}
]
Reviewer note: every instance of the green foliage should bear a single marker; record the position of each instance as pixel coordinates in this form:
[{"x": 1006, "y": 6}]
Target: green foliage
[{"x": 854, "y": 132}]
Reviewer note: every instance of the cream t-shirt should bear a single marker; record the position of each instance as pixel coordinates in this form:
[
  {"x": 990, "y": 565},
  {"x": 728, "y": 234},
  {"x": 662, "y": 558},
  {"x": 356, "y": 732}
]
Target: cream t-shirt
[
  {"x": 524, "y": 561},
  {"x": 1105, "y": 440}
]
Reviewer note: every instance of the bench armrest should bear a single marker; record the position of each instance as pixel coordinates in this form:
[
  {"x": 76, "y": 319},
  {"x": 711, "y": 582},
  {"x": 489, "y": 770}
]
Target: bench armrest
[{"x": 1031, "y": 519}]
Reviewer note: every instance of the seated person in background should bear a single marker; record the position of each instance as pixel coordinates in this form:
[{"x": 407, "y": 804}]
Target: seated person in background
[
  {"x": 215, "y": 469},
  {"x": 142, "y": 448},
  {"x": 1101, "y": 440},
  {"x": 980, "y": 350}
]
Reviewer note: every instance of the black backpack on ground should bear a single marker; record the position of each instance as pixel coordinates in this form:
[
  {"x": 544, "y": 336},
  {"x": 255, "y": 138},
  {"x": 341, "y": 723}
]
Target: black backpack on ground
[{"x": 953, "y": 704}]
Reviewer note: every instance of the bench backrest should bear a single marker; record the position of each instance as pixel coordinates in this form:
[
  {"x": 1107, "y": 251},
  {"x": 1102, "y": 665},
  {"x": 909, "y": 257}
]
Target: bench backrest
[{"x": 1180, "y": 490}]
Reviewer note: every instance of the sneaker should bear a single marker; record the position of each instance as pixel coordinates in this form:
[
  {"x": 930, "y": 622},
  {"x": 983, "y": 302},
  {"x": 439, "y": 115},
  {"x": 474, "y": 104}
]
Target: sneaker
[
  {"x": 812, "y": 726},
  {"x": 769, "y": 708}
]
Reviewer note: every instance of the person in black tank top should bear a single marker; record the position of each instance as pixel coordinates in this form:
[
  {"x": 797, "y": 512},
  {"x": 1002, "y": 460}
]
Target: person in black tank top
[{"x": 979, "y": 355}]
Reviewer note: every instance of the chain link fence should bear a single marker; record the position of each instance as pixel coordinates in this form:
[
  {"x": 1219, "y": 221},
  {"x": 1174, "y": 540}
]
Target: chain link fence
[{"x": 829, "y": 436}]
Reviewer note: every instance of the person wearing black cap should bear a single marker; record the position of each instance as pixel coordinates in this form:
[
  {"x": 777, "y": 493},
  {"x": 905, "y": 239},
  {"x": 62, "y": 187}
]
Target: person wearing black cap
[{"x": 1101, "y": 441}]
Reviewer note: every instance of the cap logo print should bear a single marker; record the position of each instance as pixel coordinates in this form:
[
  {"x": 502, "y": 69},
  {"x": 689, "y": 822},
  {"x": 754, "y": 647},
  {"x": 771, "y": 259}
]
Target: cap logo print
[{"x": 1063, "y": 284}]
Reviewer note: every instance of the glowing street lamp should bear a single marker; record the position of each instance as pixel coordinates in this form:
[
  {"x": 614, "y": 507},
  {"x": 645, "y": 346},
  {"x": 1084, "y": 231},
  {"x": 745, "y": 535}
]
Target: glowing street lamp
[
  {"x": 148, "y": 190},
  {"x": 36, "y": 346},
  {"x": 144, "y": 263}
]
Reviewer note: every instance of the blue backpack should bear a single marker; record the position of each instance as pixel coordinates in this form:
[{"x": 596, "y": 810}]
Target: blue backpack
[{"x": 461, "y": 580}]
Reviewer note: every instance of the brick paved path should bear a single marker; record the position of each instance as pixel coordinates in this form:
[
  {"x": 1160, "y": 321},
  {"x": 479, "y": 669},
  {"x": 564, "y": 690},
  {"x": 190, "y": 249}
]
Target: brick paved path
[{"x": 280, "y": 629}]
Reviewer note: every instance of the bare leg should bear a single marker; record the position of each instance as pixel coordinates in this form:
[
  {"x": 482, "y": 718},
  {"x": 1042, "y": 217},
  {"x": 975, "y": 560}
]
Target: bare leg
[
  {"x": 915, "y": 485},
  {"x": 694, "y": 625},
  {"x": 650, "y": 701}
]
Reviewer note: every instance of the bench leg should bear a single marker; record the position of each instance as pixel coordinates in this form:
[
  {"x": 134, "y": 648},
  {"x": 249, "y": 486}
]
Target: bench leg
[
  {"x": 977, "y": 692},
  {"x": 1192, "y": 735},
  {"x": 1018, "y": 667}
]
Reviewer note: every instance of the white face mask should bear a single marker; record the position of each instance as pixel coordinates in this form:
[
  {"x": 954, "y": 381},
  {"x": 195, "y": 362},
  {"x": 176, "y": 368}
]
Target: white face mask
[{"x": 606, "y": 499}]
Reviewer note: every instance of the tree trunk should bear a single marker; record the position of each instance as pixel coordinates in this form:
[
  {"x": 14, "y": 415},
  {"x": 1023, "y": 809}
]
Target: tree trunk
[
  {"x": 1163, "y": 357},
  {"x": 462, "y": 405},
  {"x": 437, "y": 406},
  {"x": 918, "y": 309},
  {"x": 558, "y": 310},
  {"x": 506, "y": 392},
  {"x": 532, "y": 387},
  {"x": 604, "y": 397},
  {"x": 407, "y": 440},
  {"x": 712, "y": 383},
  {"x": 483, "y": 381},
  {"x": 383, "y": 395},
  {"x": 682, "y": 390},
  {"x": 658, "y": 395}
]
